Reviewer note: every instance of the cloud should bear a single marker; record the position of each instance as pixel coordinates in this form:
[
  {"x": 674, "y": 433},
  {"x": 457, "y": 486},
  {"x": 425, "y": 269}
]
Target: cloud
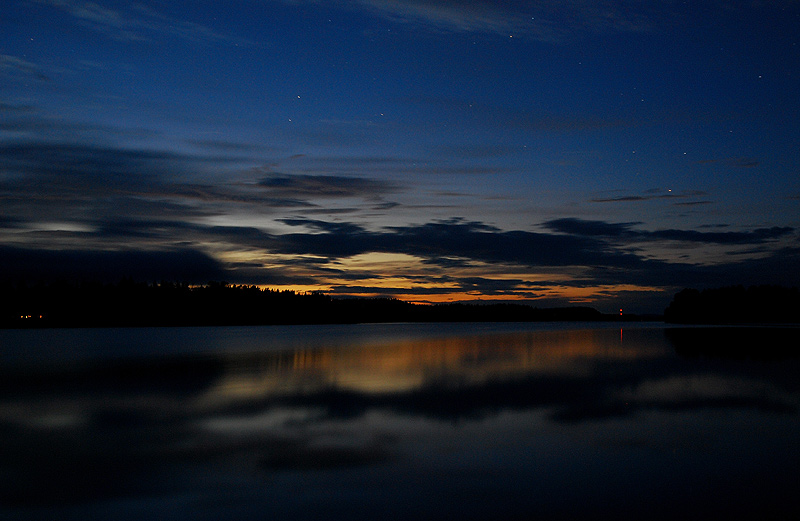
[
  {"x": 586, "y": 254},
  {"x": 582, "y": 227},
  {"x": 599, "y": 248},
  {"x": 10, "y": 108},
  {"x": 691, "y": 203},
  {"x": 397, "y": 166},
  {"x": 325, "y": 186},
  {"x": 733, "y": 162},
  {"x": 61, "y": 191},
  {"x": 549, "y": 21},
  {"x": 82, "y": 197},
  {"x": 53, "y": 161},
  {"x": 25, "y": 123},
  {"x": 42, "y": 171},
  {"x": 14, "y": 67},
  {"x": 778, "y": 267},
  {"x": 34, "y": 265},
  {"x": 326, "y": 227},
  {"x": 480, "y": 16},
  {"x": 597, "y": 254},
  {"x": 135, "y": 22},
  {"x": 478, "y": 151},
  {"x": 8, "y": 221},
  {"x": 452, "y": 238},
  {"x": 132, "y": 227},
  {"x": 43, "y": 176},
  {"x": 654, "y": 195},
  {"x": 757, "y": 236},
  {"x": 525, "y": 119},
  {"x": 630, "y": 198},
  {"x": 217, "y": 145},
  {"x": 573, "y": 226}
]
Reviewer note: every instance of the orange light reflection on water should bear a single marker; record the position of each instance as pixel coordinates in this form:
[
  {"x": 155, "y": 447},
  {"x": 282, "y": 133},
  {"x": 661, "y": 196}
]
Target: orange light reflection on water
[{"x": 404, "y": 365}]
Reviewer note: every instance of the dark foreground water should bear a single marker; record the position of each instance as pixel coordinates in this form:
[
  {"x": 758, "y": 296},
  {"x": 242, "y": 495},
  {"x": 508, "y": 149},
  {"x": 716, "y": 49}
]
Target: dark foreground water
[{"x": 403, "y": 421}]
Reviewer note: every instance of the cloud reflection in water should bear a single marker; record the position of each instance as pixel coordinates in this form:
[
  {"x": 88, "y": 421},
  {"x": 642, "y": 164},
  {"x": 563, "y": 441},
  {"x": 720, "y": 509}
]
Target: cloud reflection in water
[{"x": 459, "y": 413}]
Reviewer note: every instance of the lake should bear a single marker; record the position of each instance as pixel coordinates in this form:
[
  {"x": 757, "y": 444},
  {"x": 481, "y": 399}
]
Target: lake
[{"x": 400, "y": 421}]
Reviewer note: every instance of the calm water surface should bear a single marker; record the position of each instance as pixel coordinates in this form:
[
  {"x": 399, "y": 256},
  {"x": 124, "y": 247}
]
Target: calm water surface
[{"x": 400, "y": 421}]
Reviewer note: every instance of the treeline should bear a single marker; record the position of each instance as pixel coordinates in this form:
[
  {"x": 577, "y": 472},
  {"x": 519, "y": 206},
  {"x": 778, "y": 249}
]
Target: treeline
[
  {"x": 218, "y": 303},
  {"x": 735, "y": 305}
]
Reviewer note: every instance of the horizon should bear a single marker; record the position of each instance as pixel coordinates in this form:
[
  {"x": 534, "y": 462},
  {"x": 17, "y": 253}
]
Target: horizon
[{"x": 603, "y": 154}]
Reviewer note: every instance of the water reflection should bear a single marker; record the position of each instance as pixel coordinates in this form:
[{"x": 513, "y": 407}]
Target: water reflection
[
  {"x": 754, "y": 343},
  {"x": 546, "y": 419},
  {"x": 408, "y": 365}
]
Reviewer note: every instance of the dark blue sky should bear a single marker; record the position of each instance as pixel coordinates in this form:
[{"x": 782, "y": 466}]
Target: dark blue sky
[{"x": 602, "y": 152}]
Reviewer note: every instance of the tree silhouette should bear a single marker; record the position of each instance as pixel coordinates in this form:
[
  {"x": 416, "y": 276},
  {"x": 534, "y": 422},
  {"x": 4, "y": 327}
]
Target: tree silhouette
[
  {"x": 131, "y": 303},
  {"x": 735, "y": 305}
]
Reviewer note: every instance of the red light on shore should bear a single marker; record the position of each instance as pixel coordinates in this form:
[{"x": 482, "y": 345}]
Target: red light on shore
[{"x": 620, "y": 312}]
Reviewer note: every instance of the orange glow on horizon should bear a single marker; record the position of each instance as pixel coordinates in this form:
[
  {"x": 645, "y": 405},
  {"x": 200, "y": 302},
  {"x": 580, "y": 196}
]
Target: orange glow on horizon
[
  {"x": 297, "y": 288},
  {"x": 409, "y": 278},
  {"x": 573, "y": 296}
]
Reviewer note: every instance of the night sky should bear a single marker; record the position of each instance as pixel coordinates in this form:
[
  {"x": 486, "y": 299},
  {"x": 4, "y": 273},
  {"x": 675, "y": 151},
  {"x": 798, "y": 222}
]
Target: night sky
[{"x": 590, "y": 152}]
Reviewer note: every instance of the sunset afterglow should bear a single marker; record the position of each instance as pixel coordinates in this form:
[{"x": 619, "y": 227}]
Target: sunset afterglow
[{"x": 556, "y": 153}]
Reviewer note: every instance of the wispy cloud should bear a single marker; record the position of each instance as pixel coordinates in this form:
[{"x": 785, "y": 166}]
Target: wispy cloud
[
  {"x": 478, "y": 151},
  {"x": 546, "y": 21},
  {"x": 439, "y": 163},
  {"x": 691, "y": 203},
  {"x": 530, "y": 119},
  {"x": 27, "y": 122},
  {"x": 325, "y": 186},
  {"x": 734, "y": 162},
  {"x": 220, "y": 145},
  {"x": 134, "y": 22},
  {"x": 654, "y": 195},
  {"x": 92, "y": 185},
  {"x": 15, "y": 67},
  {"x": 12, "y": 108},
  {"x": 581, "y": 227}
]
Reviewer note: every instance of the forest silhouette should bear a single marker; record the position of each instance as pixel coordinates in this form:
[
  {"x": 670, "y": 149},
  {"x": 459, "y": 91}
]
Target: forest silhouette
[
  {"x": 735, "y": 305},
  {"x": 132, "y": 303}
]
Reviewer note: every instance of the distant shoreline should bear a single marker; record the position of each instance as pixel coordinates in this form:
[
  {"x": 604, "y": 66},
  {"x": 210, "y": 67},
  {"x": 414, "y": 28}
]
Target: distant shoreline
[
  {"x": 132, "y": 304},
  {"x": 221, "y": 304}
]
